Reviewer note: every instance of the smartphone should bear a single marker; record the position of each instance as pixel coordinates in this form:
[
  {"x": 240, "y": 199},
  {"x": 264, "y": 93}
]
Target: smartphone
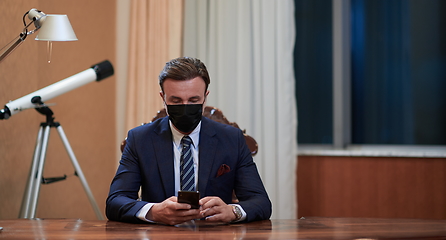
[{"x": 189, "y": 197}]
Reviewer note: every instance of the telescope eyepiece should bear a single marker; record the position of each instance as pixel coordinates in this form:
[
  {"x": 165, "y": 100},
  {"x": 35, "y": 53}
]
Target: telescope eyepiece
[{"x": 5, "y": 113}]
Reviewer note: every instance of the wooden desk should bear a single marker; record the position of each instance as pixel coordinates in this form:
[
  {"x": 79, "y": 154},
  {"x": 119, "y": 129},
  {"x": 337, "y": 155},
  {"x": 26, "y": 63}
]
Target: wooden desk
[{"x": 319, "y": 228}]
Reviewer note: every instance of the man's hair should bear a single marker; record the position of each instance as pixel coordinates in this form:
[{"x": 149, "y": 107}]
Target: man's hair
[{"x": 184, "y": 68}]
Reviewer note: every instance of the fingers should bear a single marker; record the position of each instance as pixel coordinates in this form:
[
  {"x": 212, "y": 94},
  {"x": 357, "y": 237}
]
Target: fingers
[
  {"x": 208, "y": 202},
  {"x": 174, "y": 204},
  {"x": 170, "y": 212},
  {"x": 215, "y": 210},
  {"x": 219, "y": 214}
]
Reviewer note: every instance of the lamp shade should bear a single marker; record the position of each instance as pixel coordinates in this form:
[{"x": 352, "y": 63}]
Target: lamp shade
[{"x": 56, "y": 27}]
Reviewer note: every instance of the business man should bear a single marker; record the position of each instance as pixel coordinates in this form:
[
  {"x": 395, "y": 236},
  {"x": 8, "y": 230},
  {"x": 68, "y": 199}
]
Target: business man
[{"x": 186, "y": 151}]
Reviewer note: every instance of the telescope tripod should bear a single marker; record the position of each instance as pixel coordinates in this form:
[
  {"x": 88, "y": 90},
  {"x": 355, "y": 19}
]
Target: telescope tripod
[{"x": 29, "y": 202}]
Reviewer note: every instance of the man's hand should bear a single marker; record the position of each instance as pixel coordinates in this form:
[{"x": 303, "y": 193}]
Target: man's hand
[
  {"x": 215, "y": 210},
  {"x": 171, "y": 212}
]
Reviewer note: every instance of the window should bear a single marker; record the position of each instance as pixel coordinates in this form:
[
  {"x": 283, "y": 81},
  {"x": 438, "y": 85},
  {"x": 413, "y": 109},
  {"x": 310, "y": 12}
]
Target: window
[{"x": 398, "y": 72}]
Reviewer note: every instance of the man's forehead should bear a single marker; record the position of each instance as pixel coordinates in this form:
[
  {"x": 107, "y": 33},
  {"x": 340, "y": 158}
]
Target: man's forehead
[
  {"x": 197, "y": 79},
  {"x": 191, "y": 85}
]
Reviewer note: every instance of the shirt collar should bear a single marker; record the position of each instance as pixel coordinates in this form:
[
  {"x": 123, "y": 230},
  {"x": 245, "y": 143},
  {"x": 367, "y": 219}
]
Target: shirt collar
[{"x": 177, "y": 136}]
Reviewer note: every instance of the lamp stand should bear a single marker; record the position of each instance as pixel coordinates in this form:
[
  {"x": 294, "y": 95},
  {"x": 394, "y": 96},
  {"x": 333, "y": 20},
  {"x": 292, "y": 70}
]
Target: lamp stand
[
  {"x": 12, "y": 45},
  {"x": 29, "y": 202}
]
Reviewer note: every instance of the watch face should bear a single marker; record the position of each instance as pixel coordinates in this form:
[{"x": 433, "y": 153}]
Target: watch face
[{"x": 237, "y": 212}]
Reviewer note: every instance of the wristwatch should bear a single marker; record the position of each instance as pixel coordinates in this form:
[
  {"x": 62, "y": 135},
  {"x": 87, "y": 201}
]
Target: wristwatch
[{"x": 237, "y": 212}]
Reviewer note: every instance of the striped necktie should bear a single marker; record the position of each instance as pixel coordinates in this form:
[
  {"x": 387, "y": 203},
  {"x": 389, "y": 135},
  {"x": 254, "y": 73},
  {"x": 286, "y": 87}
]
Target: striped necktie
[{"x": 187, "y": 172}]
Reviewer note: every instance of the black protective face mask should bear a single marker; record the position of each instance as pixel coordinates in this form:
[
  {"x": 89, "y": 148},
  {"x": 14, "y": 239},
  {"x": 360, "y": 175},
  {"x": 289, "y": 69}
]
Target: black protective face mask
[{"x": 185, "y": 117}]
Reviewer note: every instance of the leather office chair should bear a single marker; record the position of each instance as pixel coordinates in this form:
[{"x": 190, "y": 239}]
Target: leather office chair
[{"x": 216, "y": 115}]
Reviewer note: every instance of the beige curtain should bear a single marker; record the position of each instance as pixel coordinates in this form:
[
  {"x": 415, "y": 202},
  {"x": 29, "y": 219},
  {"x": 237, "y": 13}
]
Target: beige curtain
[
  {"x": 248, "y": 49},
  {"x": 154, "y": 38}
]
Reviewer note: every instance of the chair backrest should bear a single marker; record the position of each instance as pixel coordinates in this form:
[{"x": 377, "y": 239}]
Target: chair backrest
[{"x": 216, "y": 115}]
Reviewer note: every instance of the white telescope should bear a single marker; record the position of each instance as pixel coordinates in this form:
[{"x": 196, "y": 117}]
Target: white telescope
[{"x": 95, "y": 73}]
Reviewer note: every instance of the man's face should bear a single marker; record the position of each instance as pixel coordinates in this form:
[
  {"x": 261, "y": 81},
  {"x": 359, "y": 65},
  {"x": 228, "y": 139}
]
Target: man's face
[{"x": 184, "y": 92}]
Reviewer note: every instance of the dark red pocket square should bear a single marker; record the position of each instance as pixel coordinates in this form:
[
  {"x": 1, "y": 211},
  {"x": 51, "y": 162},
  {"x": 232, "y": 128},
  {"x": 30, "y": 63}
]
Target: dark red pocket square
[{"x": 223, "y": 170}]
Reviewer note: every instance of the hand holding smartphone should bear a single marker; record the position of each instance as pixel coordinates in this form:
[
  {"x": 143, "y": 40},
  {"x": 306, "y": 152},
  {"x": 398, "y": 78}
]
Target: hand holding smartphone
[{"x": 189, "y": 197}]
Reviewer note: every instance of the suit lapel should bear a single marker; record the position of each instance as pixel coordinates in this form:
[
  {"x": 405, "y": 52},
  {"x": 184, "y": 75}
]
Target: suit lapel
[
  {"x": 208, "y": 148},
  {"x": 164, "y": 156}
]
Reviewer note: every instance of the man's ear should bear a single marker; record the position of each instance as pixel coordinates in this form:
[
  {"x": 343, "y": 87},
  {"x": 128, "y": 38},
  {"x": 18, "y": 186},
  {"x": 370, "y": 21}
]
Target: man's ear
[
  {"x": 162, "y": 99},
  {"x": 205, "y": 99}
]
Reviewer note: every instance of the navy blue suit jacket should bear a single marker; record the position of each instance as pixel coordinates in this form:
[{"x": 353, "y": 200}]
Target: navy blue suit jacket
[{"x": 147, "y": 161}]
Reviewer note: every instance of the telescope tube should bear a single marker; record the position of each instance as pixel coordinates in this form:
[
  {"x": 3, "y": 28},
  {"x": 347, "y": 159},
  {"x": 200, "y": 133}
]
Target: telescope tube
[{"x": 97, "y": 72}]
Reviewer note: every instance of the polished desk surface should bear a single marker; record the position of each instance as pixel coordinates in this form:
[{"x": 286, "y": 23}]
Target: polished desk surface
[{"x": 307, "y": 228}]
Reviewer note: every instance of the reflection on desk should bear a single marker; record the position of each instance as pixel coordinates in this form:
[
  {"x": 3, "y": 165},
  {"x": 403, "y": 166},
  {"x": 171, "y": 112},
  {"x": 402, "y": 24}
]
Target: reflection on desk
[
  {"x": 308, "y": 228},
  {"x": 192, "y": 230}
]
